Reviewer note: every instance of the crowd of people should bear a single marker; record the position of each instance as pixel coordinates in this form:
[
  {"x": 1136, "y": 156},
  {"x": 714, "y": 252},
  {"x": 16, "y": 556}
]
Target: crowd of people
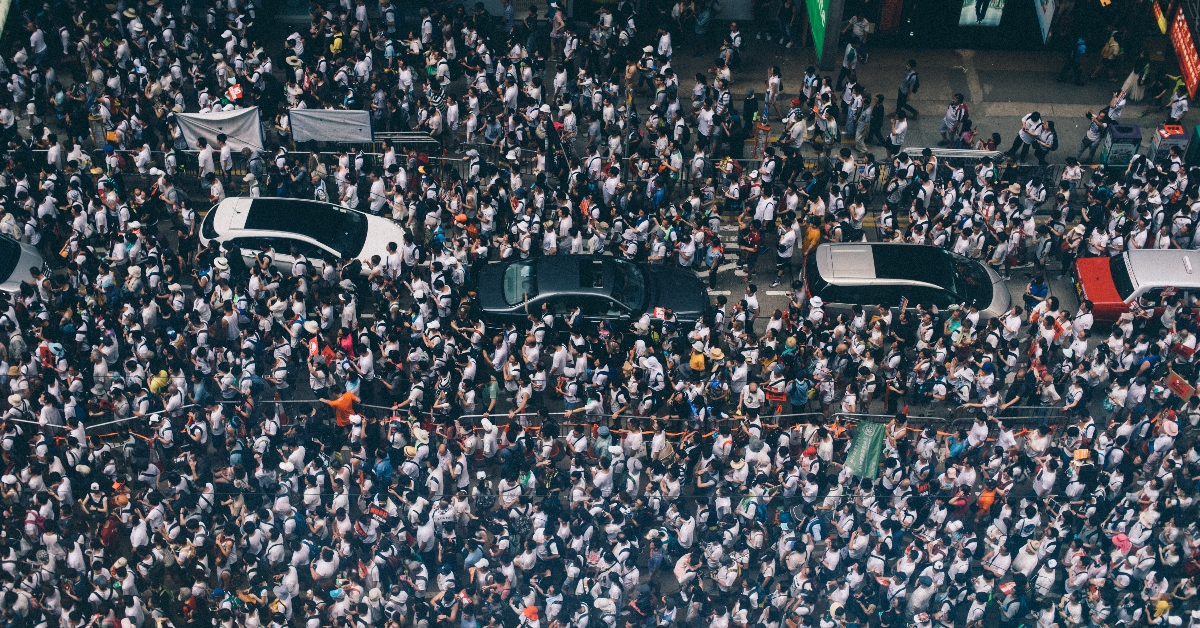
[{"x": 195, "y": 436}]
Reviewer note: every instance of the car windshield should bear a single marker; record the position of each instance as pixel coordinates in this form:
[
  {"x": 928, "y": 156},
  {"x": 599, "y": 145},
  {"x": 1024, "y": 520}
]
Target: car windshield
[
  {"x": 965, "y": 278},
  {"x": 10, "y": 254},
  {"x": 519, "y": 283},
  {"x": 970, "y": 281},
  {"x": 1122, "y": 280},
  {"x": 338, "y": 228},
  {"x": 629, "y": 285}
]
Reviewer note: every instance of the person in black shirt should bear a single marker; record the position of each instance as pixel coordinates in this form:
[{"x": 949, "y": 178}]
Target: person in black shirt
[
  {"x": 1022, "y": 390},
  {"x": 878, "y": 115}
]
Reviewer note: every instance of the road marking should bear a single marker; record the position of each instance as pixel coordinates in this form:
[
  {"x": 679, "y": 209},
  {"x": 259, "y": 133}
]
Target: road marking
[
  {"x": 722, "y": 268},
  {"x": 719, "y": 292},
  {"x": 968, "y": 68},
  {"x": 777, "y": 293}
]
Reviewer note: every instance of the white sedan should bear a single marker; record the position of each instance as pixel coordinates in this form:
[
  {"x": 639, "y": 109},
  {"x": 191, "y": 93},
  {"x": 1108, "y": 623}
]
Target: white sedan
[{"x": 318, "y": 230}]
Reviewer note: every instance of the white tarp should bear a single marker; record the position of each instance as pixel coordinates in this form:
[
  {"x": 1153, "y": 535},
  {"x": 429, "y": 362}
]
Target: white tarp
[
  {"x": 330, "y": 125},
  {"x": 241, "y": 127}
]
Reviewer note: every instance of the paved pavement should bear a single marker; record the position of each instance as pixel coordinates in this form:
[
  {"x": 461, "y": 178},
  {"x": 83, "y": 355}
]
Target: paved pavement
[{"x": 1000, "y": 87}]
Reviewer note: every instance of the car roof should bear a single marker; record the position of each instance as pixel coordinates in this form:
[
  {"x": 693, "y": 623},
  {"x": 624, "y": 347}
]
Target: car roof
[
  {"x": 231, "y": 215},
  {"x": 1164, "y": 267},
  {"x": 298, "y": 219},
  {"x": 575, "y": 274},
  {"x": 892, "y": 263}
]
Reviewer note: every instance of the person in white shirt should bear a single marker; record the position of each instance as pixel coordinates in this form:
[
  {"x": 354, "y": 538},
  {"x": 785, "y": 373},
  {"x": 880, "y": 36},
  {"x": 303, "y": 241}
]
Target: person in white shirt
[
  {"x": 378, "y": 194},
  {"x": 206, "y": 157},
  {"x": 784, "y": 250},
  {"x": 1031, "y": 129},
  {"x": 898, "y": 133}
]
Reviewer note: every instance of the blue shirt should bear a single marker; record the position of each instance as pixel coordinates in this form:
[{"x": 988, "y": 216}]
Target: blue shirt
[
  {"x": 383, "y": 470},
  {"x": 1039, "y": 290}
]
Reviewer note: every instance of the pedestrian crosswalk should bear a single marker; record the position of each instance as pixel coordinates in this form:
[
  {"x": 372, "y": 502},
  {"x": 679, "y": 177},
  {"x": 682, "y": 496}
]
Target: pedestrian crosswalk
[{"x": 722, "y": 268}]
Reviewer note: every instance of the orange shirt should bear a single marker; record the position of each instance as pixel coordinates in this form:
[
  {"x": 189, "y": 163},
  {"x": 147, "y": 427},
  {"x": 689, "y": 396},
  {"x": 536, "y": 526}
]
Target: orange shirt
[
  {"x": 986, "y": 499},
  {"x": 343, "y": 407},
  {"x": 812, "y": 237}
]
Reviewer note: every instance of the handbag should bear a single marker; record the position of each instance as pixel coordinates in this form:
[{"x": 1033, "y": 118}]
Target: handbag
[{"x": 666, "y": 453}]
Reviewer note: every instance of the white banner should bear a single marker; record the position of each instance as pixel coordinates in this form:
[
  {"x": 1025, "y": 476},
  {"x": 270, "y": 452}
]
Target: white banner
[
  {"x": 241, "y": 127},
  {"x": 330, "y": 125}
]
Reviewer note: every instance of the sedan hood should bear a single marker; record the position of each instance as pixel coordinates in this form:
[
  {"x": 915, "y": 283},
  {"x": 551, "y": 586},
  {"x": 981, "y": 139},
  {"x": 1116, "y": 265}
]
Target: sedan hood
[{"x": 678, "y": 289}]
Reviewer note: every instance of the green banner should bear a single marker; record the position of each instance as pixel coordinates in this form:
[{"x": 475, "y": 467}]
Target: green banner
[
  {"x": 863, "y": 458},
  {"x": 817, "y": 12}
]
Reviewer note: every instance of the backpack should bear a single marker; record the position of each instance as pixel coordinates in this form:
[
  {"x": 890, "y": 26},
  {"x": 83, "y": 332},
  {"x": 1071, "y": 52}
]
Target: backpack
[
  {"x": 685, "y": 137},
  {"x": 484, "y": 501}
]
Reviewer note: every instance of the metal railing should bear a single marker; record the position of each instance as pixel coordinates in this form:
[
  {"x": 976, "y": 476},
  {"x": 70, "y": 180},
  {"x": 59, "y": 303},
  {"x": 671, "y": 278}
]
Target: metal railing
[{"x": 1022, "y": 416}]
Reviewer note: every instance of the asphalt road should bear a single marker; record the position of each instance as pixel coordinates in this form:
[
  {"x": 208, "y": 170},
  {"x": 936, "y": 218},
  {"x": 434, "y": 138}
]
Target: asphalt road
[{"x": 732, "y": 280}]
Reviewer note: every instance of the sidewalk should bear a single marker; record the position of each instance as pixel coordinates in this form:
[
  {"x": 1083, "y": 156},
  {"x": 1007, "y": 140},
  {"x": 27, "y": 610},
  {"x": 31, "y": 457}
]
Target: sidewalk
[{"x": 1000, "y": 87}]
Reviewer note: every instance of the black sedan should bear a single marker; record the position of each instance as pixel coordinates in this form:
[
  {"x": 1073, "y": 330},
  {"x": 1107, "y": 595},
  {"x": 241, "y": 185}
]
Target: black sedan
[{"x": 602, "y": 287}]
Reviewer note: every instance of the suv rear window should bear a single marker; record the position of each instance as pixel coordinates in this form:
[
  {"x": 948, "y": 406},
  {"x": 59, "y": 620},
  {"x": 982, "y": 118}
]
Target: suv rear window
[
  {"x": 812, "y": 277},
  {"x": 206, "y": 228},
  {"x": 1120, "y": 276}
]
